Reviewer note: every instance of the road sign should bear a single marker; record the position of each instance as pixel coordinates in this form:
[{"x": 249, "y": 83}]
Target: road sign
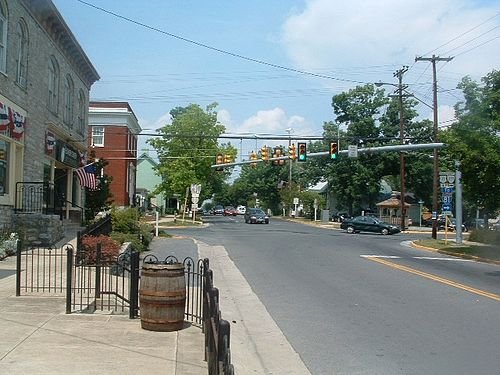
[
  {"x": 447, "y": 189},
  {"x": 352, "y": 151},
  {"x": 446, "y": 199},
  {"x": 446, "y": 208}
]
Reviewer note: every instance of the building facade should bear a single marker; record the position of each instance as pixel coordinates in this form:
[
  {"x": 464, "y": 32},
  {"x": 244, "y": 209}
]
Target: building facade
[
  {"x": 45, "y": 80},
  {"x": 113, "y": 130},
  {"x": 147, "y": 181}
]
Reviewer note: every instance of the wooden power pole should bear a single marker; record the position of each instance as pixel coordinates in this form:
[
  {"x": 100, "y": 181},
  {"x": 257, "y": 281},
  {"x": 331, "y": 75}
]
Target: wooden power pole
[{"x": 435, "y": 183}]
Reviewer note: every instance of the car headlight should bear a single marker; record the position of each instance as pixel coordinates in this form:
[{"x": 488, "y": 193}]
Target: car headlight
[{"x": 253, "y": 217}]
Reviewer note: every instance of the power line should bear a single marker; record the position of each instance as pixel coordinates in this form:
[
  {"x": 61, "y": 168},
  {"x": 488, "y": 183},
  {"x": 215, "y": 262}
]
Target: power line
[
  {"x": 461, "y": 35},
  {"x": 471, "y": 40},
  {"x": 215, "y": 49}
]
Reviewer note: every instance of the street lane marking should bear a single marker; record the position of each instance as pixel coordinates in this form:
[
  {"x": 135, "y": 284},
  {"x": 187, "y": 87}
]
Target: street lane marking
[
  {"x": 442, "y": 258},
  {"x": 423, "y": 258},
  {"x": 442, "y": 280}
]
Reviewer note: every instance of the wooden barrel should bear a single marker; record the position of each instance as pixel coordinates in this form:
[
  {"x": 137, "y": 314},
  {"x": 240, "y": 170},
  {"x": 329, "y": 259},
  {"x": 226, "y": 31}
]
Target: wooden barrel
[{"x": 162, "y": 297}]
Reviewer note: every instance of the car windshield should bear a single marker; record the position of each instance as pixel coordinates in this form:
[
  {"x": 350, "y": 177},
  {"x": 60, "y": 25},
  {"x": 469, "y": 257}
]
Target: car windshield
[{"x": 256, "y": 211}]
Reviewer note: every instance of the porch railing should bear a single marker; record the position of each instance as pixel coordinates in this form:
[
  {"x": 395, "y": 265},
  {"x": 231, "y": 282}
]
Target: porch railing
[{"x": 35, "y": 197}]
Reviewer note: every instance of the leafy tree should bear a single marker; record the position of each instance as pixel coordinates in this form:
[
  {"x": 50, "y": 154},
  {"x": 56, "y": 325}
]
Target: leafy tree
[
  {"x": 265, "y": 180},
  {"x": 356, "y": 182},
  {"x": 187, "y": 148},
  {"x": 474, "y": 141}
]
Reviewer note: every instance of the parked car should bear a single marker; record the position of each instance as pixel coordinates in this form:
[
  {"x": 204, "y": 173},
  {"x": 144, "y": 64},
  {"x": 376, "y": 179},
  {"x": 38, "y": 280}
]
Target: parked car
[
  {"x": 230, "y": 211},
  {"x": 218, "y": 210},
  {"x": 241, "y": 210},
  {"x": 256, "y": 216},
  {"x": 368, "y": 224},
  {"x": 452, "y": 225}
]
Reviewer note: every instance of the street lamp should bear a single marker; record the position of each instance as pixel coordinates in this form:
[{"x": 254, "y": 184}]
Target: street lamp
[
  {"x": 400, "y": 87},
  {"x": 289, "y": 131}
]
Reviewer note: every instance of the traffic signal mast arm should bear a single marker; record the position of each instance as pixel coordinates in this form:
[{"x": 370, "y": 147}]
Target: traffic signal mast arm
[{"x": 364, "y": 150}]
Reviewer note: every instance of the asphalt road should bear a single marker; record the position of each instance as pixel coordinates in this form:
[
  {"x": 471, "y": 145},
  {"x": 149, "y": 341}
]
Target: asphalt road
[{"x": 367, "y": 303}]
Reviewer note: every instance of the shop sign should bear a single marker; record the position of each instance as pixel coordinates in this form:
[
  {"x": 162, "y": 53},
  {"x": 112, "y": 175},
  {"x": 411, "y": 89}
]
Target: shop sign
[{"x": 67, "y": 154}]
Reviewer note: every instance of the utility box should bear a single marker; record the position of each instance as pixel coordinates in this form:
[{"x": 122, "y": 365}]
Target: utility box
[{"x": 325, "y": 216}]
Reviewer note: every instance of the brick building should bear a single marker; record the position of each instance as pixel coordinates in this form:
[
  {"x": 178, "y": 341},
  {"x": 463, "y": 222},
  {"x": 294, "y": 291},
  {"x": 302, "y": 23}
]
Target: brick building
[
  {"x": 113, "y": 130},
  {"x": 45, "y": 79}
]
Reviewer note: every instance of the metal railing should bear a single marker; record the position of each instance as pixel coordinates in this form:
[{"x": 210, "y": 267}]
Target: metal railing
[
  {"x": 217, "y": 330},
  {"x": 102, "y": 226},
  {"x": 35, "y": 197}
]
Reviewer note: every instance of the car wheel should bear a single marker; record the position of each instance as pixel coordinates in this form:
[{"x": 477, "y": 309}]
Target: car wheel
[
  {"x": 267, "y": 221},
  {"x": 350, "y": 230},
  {"x": 385, "y": 231}
]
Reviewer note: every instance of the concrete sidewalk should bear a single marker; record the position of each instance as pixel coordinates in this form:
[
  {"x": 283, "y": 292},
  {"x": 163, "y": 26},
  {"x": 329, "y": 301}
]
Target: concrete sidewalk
[{"x": 37, "y": 337}]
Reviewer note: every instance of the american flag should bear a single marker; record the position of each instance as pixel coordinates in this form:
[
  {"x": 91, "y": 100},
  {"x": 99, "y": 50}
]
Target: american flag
[{"x": 86, "y": 176}]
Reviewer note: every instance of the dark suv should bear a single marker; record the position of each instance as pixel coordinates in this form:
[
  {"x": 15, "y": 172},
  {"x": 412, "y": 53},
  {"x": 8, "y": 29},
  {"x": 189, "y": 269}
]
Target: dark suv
[{"x": 255, "y": 216}]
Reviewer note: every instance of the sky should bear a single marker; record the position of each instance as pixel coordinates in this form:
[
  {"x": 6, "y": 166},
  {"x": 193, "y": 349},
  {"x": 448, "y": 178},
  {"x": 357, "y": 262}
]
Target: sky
[{"x": 273, "y": 66}]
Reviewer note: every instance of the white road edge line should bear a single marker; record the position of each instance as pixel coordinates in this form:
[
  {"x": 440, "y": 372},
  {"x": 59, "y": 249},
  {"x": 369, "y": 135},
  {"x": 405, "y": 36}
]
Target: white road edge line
[{"x": 443, "y": 258}]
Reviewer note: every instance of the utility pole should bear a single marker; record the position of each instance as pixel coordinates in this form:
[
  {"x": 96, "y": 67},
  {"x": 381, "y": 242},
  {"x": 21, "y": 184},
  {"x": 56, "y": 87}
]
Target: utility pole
[
  {"x": 400, "y": 88},
  {"x": 399, "y": 74},
  {"x": 435, "y": 183}
]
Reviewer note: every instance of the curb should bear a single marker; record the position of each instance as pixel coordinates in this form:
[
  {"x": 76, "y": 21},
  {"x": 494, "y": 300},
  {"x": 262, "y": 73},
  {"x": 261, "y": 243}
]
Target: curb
[{"x": 458, "y": 255}]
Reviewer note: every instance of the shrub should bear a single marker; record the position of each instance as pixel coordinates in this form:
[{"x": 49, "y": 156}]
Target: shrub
[
  {"x": 485, "y": 236},
  {"x": 110, "y": 249},
  {"x": 125, "y": 220},
  {"x": 128, "y": 237}
]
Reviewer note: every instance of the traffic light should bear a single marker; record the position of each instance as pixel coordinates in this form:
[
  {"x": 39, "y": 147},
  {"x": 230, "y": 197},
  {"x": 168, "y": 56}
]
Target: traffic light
[
  {"x": 276, "y": 154},
  {"x": 227, "y": 159},
  {"x": 253, "y": 156},
  {"x": 291, "y": 152},
  {"x": 219, "y": 160},
  {"x": 302, "y": 151},
  {"x": 264, "y": 153},
  {"x": 279, "y": 153},
  {"x": 333, "y": 150}
]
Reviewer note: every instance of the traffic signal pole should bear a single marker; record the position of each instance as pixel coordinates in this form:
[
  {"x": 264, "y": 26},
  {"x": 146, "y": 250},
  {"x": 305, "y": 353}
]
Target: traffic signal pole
[{"x": 365, "y": 150}]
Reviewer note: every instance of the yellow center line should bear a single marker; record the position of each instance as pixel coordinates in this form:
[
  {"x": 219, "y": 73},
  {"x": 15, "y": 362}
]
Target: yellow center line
[{"x": 480, "y": 292}]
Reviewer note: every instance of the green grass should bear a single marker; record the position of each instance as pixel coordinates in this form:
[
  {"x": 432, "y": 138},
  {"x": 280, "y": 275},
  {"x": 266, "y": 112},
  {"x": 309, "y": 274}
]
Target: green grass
[{"x": 491, "y": 252}]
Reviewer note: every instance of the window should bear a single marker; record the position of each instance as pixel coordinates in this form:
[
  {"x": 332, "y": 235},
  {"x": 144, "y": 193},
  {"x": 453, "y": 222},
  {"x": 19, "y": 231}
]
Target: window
[
  {"x": 98, "y": 136},
  {"x": 53, "y": 84},
  {"x": 22, "y": 54},
  {"x": 80, "y": 119},
  {"x": 68, "y": 101},
  {"x": 3, "y": 37}
]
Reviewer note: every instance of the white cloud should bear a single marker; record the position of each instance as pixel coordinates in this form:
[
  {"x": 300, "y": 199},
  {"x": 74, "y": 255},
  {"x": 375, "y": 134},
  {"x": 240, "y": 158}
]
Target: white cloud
[
  {"x": 339, "y": 35},
  {"x": 274, "y": 122},
  {"x": 149, "y": 126},
  {"x": 224, "y": 117}
]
